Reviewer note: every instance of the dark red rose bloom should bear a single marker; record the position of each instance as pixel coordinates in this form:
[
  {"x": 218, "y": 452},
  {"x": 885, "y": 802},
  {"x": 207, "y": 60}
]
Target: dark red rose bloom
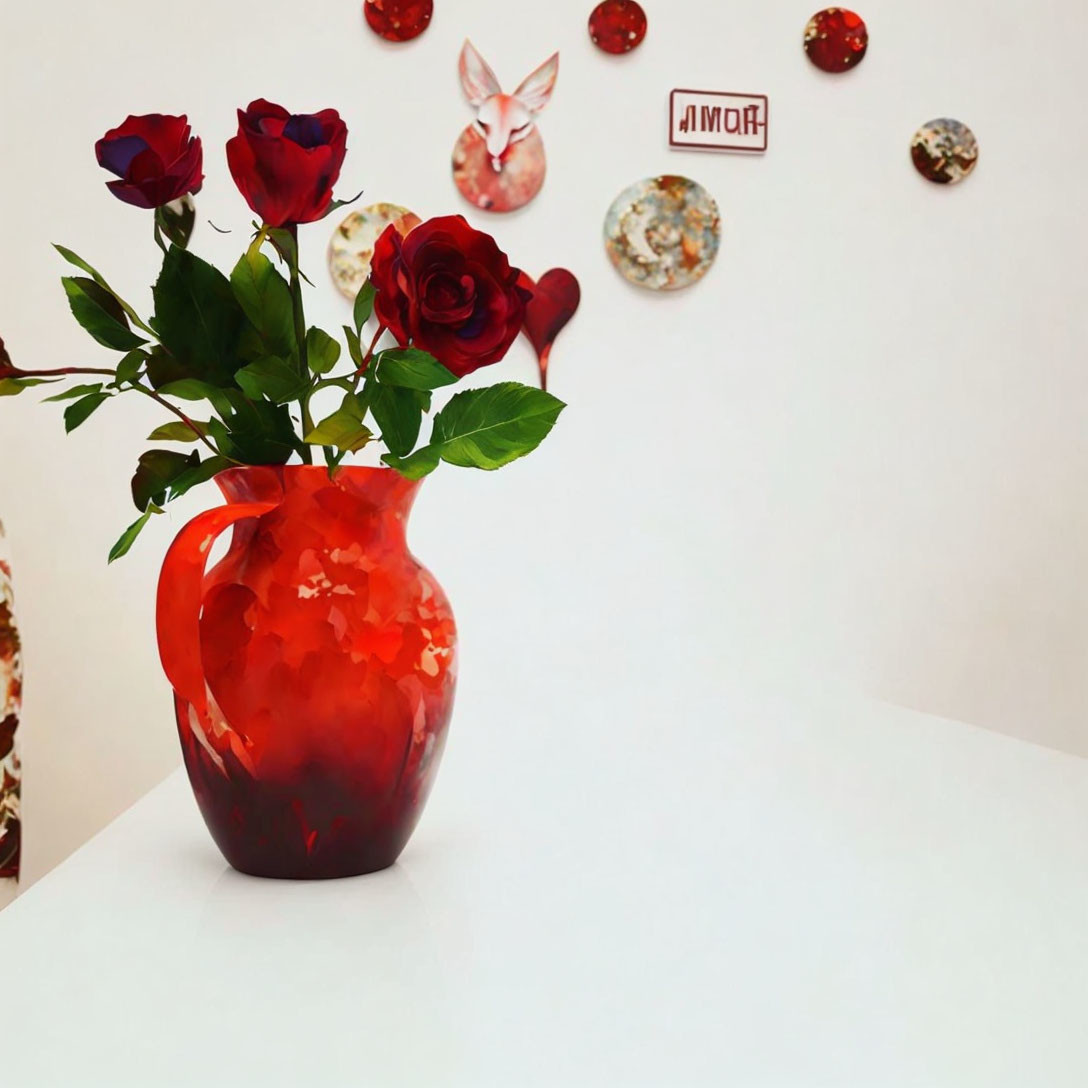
[
  {"x": 450, "y": 291},
  {"x": 285, "y": 165},
  {"x": 6, "y": 366},
  {"x": 156, "y": 157}
]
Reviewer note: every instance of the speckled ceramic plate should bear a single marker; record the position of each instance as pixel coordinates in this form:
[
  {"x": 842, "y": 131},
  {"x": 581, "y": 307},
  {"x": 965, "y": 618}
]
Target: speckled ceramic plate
[
  {"x": 663, "y": 233},
  {"x": 944, "y": 151},
  {"x": 352, "y": 245}
]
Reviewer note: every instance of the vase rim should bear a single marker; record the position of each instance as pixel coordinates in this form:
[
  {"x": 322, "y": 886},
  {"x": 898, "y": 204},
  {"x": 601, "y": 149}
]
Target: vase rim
[
  {"x": 270, "y": 483},
  {"x": 354, "y": 470}
]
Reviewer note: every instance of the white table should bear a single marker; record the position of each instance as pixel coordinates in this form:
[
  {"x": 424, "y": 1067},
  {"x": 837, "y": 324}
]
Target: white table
[{"x": 657, "y": 889}]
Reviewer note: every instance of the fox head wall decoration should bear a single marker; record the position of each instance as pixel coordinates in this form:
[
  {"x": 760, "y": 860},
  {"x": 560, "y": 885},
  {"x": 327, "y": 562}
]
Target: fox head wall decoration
[{"x": 499, "y": 162}]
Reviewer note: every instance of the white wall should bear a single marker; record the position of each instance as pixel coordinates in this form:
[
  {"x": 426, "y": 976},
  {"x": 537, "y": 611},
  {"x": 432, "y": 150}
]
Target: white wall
[{"x": 856, "y": 449}]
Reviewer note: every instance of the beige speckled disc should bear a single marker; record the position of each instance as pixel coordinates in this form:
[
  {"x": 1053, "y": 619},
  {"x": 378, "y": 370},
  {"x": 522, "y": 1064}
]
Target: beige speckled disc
[
  {"x": 352, "y": 244},
  {"x": 944, "y": 151},
  {"x": 663, "y": 233}
]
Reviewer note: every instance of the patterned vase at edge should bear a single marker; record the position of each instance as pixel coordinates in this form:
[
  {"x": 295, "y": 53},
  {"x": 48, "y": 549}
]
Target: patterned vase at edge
[
  {"x": 11, "y": 693},
  {"x": 313, "y": 669}
]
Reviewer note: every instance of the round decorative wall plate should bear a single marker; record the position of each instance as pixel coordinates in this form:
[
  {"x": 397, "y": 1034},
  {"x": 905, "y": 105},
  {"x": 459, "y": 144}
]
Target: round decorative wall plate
[
  {"x": 944, "y": 151},
  {"x": 617, "y": 26},
  {"x": 836, "y": 40},
  {"x": 663, "y": 233},
  {"x": 398, "y": 20},
  {"x": 352, "y": 244}
]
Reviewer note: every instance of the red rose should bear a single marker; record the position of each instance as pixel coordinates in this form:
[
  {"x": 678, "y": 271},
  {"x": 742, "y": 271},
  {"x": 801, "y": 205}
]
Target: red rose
[
  {"x": 7, "y": 368},
  {"x": 156, "y": 158},
  {"x": 450, "y": 291},
  {"x": 285, "y": 165}
]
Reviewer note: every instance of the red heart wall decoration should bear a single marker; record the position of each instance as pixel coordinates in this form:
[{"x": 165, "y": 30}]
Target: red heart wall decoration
[{"x": 555, "y": 300}]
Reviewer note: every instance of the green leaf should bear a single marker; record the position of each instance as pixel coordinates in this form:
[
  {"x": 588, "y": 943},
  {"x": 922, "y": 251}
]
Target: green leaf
[
  {"x": 80, "y": 263},
  {"x": 364, "y": 305},
  {"x": 416, "y": 465},
  {"x": 355, "y": 349},
  {"x": 265, "y": 297},
  {"x": 251, "y": 346},
  {"x": 273, "y": 378},
  {"x": 259, "y": 433},
  {"x": 12, "y": 387},
  {"x": 128, "y": 537},
  {"x": 284, "y": 243},
  {"x": 485, "y": 428},
  {"x": 399, "y": 416},
  {"x": 128, "y": 369},
  {"x": 75, "y": 391},
  {"x": 100, "y": 314},
  {"x": 163, "y": 368},
  {"x": 178, "y": 432},
  {"x": 322, "y": 351},
  {"x": 197, "y": 317},
  {"x": 222, "y": 400},
  {"x": 156, "y": 470},
  {"x": 188, "y": 389},
  {"x": 412, "y": 369},
  {"x": 336, "y": 205},
  {"x": 78, "y": 413},
  {"x": 344, "y": 428},
  {"x": 198, "y": 474},
  {"x": 177, "y": 219}
]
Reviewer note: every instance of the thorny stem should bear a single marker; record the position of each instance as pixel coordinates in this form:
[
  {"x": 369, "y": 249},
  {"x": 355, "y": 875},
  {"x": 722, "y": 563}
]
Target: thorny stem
[
  {"x": 369, "y": 353},
  {"x": 182, "y": 416},
  {"x": 18, "y": 372}
]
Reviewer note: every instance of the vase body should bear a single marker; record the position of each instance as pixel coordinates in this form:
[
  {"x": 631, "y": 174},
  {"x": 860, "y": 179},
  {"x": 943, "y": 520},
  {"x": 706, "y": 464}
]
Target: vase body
[{"x": 313, "y": 669}]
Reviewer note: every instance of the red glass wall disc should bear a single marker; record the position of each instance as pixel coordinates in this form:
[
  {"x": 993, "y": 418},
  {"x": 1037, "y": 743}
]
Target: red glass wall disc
[
  {"x": 617, "y": 26},
  {"x": 398, "y": 20},
  {"x": 836, "y": 39}
]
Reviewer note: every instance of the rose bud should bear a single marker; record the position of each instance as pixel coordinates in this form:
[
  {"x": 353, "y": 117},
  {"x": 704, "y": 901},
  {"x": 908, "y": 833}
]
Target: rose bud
[
  {"x": 449, "y": 290},
  {"x": 156, "y": 158},
  {"x": 286, "y": 165}
]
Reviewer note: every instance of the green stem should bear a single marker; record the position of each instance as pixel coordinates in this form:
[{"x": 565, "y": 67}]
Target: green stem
[
  {"x": 327, "y": 383},
  {"x": 181, "y": 415},
  {"x": 300, "y": 337}
]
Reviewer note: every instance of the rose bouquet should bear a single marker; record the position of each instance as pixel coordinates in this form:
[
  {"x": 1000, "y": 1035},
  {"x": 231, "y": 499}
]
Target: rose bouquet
[{"x": 232, "y": 359}]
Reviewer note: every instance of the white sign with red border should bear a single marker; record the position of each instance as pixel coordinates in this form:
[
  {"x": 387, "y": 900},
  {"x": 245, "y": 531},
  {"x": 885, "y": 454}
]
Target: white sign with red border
[{"x": 718, "y": 121}]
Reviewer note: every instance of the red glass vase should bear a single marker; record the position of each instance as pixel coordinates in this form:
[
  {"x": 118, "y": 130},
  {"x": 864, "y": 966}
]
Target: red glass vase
[{"x": 313, "y": 669}]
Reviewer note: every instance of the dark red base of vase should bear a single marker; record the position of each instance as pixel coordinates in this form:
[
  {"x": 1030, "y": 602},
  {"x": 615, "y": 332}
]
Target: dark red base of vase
[
  {"x": 323, "y": 825},
  {"x": 275, "y": 874},
  {"x": 279, "y": 873}
]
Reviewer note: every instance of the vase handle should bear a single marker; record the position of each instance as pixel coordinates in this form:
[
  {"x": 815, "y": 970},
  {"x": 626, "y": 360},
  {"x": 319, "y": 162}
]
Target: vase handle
[{"x": 181, "y": 596}]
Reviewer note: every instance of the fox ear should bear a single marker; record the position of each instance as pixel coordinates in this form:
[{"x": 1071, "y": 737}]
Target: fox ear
[
  {"x": 479, "y": 81},
  {"x": 537, "y": 88}
]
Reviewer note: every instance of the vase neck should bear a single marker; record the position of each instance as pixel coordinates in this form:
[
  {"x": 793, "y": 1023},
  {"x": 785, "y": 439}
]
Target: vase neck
[{"x": 367, "y": 506}]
